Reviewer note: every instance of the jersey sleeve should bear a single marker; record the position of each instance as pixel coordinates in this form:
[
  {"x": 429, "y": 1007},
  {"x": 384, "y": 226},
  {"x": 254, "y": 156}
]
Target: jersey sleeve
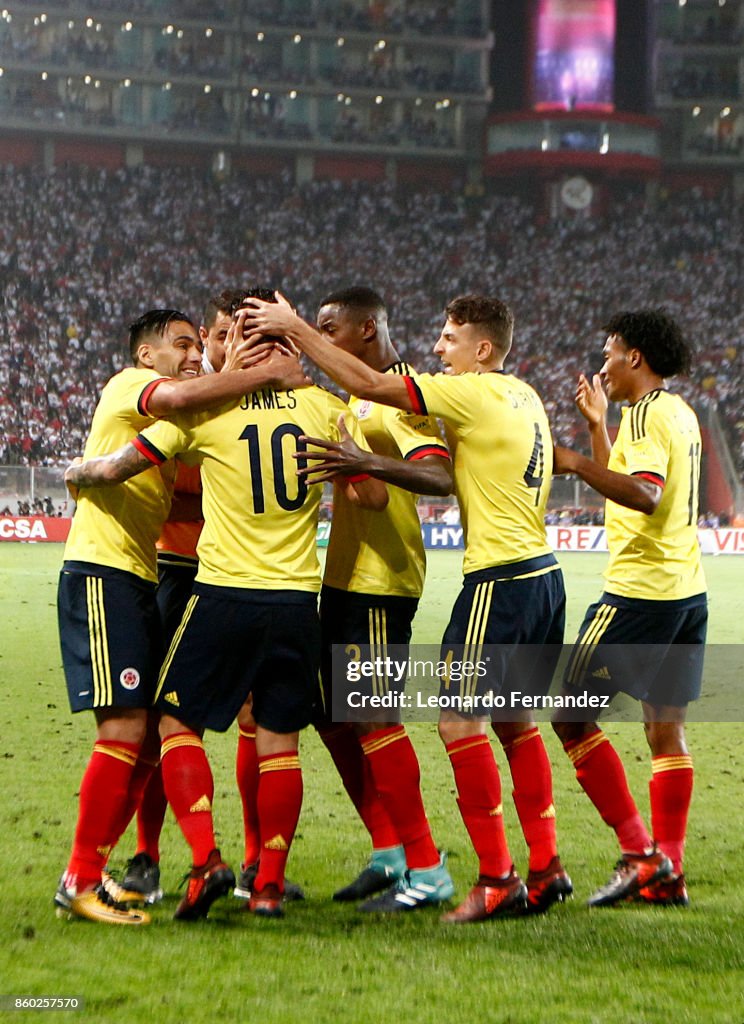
[
  {"x": 456, "y": 399},
  {"x": 128, "y": 392},
  {"x": 647, "y": 444},
  {"x": 416, "y": 436},
  {"x": 162, "y": 440},
  {"x": 337, "y": 408}
]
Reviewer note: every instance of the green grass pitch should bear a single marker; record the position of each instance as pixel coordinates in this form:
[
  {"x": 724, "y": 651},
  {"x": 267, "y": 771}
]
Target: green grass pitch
[{"x": 324, "y": 961}]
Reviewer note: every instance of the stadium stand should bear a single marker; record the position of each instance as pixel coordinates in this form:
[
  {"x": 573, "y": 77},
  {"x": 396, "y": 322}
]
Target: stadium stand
[{"x": 82, "y": 252}]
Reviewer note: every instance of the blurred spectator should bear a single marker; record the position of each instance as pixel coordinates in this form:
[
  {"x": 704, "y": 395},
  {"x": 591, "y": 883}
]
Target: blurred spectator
[{"x": 82, "y": 252}]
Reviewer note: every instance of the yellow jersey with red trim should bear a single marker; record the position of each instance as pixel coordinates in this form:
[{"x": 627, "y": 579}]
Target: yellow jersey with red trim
[
  {"x": 502, "y": 452},
  {"x": 260, "y": 518},
  {"x": 657, "y": 556},
  {"x": 118, "y": 526},
  {"x": 383, "y": 552}
]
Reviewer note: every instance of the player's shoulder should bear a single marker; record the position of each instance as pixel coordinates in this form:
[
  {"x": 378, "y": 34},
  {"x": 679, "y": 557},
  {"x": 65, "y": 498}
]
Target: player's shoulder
[
  {"x": 401, "y": 368},
  {"x": 659, "y": 410}
]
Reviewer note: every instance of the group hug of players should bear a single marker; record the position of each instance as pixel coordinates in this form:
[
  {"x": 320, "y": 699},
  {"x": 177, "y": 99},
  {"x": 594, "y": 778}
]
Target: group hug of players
[{"x": 216, "y": 434}]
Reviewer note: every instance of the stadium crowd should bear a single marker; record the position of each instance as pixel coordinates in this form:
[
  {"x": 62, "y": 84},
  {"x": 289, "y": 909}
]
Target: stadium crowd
[{"x": 83, "y": 252}]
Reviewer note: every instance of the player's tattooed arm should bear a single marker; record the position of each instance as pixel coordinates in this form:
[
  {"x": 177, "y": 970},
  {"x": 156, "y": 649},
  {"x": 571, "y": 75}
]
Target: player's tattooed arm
[{"x": 106, "y": 470}]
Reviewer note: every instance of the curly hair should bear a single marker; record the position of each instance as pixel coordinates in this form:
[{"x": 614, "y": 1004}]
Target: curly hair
[{"x": 657, "y": 337}]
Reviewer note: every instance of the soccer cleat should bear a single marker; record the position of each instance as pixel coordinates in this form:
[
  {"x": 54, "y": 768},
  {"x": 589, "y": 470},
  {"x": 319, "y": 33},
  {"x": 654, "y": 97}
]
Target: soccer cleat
[
  {"x": 503, "y": 897},
  {"x": 385, "y": 868},
  {"x": 247, "y": 876},
  {"x": 143, "y": 876},
  {"x": 668, "y": 891},
  {"x": 96, "y": 905},
  {"x": 267, "y": 902},
  {"x": 633, "y": 872},
  {"x": 120, "y": 893},
  {"x": 544, "y": 888},
  {"x": 205, "y": 884},
  {"x": 63, "y": 898},
  {"x": 419, "y": 887}
]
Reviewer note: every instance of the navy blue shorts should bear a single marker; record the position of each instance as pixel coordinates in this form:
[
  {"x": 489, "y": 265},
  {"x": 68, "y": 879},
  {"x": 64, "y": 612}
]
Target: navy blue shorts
[
  {"x": 365, "y": 624},
  {"x": 515, "y": 623},
  {"x": 232, "y": 642},
  {"x": 110, "y": 635},
  {"x": 651, "y": 650},
  {"x": 175, "y": 584}
]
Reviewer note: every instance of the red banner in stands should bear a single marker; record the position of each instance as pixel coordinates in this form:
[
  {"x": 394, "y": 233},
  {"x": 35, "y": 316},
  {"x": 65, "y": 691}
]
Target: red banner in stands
[{"x": 34, "y": 528}]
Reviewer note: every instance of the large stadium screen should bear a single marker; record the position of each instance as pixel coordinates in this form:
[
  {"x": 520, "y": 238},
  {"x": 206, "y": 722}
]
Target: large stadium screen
[{"x": 572, "y": 65}]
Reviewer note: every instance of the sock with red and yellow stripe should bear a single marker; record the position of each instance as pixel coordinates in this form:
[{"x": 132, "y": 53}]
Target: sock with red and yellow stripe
[
  {"x": 279, "y": 805},
  {"x": 533, "y": 795},
  {"x": 151, "y": 815},
  {"x": 396, "y": 776},
  {"x": 671, "y": 792},
  {"x": 355, "y": 771},
  {"x": 103, "y": 799},
  {"x": 479, "y": 799},
  {"x": 602, "y": 777},
  {"x": 246, "y": 776},
  {"x": 189, "y": 787}
]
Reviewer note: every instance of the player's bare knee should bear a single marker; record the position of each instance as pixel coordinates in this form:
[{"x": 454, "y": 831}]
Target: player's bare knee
[
  {"x": 128, "y": 725},
  {"x": 665, "y": 738},
  {"x": 568, "y": 732}
]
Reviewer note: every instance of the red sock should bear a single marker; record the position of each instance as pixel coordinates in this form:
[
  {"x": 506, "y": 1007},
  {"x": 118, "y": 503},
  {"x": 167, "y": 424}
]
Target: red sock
[
  {"x": 671, "y": 793},
  {"x": 396, "y": 775},
  {"x": 151, "y": 815},
  {"x": 189, "y": 787},
  {"x": 601, "y": 774},
  {"x": 103, "y": 797},
  {"x": 246, "y": 775},
  {"x": 479, "y": 800},
  {"x": 137, "y": 784},
  {"x": 533, "y": 795},
  {"x": 279, "y": 805},
  {"x": 344, "y": 747}
]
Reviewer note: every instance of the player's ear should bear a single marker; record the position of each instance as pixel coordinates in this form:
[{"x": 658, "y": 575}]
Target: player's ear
[
  {"x": 145, "y": 355},
  {"x": 203, "y": 333},
  {"x": 635, "y": 358},
  {"x": 369, "y": 328},
  {"x": 484, "y": 350}
]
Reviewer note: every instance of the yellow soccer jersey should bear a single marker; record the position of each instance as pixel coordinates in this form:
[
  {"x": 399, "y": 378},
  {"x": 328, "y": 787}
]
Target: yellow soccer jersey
[
  {"x": 657, "y": 557},
  {"x": 383, "y": 552},
  {"x": 260, "y": 518},
  {"x": 118, "y": 526},
  {"x": 502, "y": 451}
]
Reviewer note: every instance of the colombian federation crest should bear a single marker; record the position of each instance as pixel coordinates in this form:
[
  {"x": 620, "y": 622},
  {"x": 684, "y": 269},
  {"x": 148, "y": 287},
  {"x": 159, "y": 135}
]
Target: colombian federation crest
[{"x": 129, "y": 678}]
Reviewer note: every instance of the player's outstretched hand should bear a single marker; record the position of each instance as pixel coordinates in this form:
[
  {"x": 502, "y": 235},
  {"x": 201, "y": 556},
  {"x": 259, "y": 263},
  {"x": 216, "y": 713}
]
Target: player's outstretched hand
[
  {"x": 591, "y": 400},
  {"x": 335, "y": 458},
  {"x": 269, "y": 317},
  {"x": 286, "y": 370}
]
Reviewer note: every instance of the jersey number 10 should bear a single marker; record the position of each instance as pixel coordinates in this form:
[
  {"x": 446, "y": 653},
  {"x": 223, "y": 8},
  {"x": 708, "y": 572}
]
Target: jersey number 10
[{"x": 250, "y": 434}]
